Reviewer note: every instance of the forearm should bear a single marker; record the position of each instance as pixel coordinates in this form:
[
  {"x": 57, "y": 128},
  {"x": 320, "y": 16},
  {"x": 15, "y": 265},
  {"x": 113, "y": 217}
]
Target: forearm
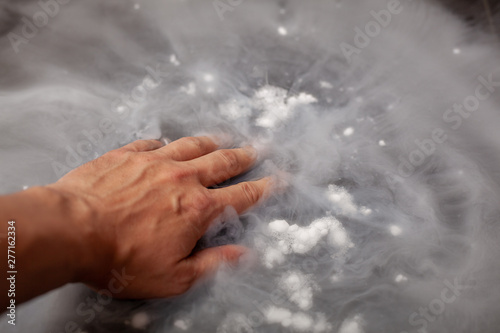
[{"x": 49, "y": 242}]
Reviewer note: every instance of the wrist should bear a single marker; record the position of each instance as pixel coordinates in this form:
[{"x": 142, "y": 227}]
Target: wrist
[{"x": 90, "y": 255}]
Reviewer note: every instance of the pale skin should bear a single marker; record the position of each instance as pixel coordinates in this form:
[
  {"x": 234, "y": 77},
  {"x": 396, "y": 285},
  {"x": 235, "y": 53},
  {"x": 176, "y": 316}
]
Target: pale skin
[{"x": 141, "y": 208}]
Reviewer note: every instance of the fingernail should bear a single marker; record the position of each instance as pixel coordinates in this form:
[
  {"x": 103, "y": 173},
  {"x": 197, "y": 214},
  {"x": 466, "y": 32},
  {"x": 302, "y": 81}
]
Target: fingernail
[
  {"x": 280, "y": 182},
  {"x": 263, "y": 149},
  {"x": 252, "y": 152},
  {"x": 223, "y": 140},
  {"x": 248, "y": 258}
]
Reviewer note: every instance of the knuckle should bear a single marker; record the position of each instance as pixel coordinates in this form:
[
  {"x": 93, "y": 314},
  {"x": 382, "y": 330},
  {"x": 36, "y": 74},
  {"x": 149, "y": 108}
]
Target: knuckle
[
  {"x": 202, "y": 200},
  {"x": 197, "y": 204},
  {"x": 174, "y": 151},
  {"x": 230, "y": 159},
  {"x": 147, "y": 144},
  {"x": 141, "y": 142},
  {"x": 194, "y": 142},
  {"x": 250, "y": 192},
  {"x": 180, "y": 173}
]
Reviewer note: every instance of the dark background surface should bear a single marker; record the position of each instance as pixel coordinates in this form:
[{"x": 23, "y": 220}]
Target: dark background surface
[{"x": 482, "y": 13}]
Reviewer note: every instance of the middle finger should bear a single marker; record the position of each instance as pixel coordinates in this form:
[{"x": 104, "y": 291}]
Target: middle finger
[{"x": 224, "y": 164}]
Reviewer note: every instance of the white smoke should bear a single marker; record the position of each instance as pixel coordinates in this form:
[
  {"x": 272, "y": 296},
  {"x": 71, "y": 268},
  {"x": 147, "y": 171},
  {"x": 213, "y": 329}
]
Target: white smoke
[{"x": 390, "y": 222}]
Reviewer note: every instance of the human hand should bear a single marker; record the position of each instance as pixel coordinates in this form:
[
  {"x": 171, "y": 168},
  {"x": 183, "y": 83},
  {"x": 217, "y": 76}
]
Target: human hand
[{"x": 147, "y": 205}]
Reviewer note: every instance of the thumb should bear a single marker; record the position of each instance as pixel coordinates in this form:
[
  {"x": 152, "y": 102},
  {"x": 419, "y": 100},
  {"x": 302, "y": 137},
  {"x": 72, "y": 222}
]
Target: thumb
[{"x": 208, "y": 260}]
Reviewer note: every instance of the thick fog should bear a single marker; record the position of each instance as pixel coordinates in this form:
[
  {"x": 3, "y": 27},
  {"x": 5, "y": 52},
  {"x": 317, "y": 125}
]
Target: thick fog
[{"x": 382, "y": 116}]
